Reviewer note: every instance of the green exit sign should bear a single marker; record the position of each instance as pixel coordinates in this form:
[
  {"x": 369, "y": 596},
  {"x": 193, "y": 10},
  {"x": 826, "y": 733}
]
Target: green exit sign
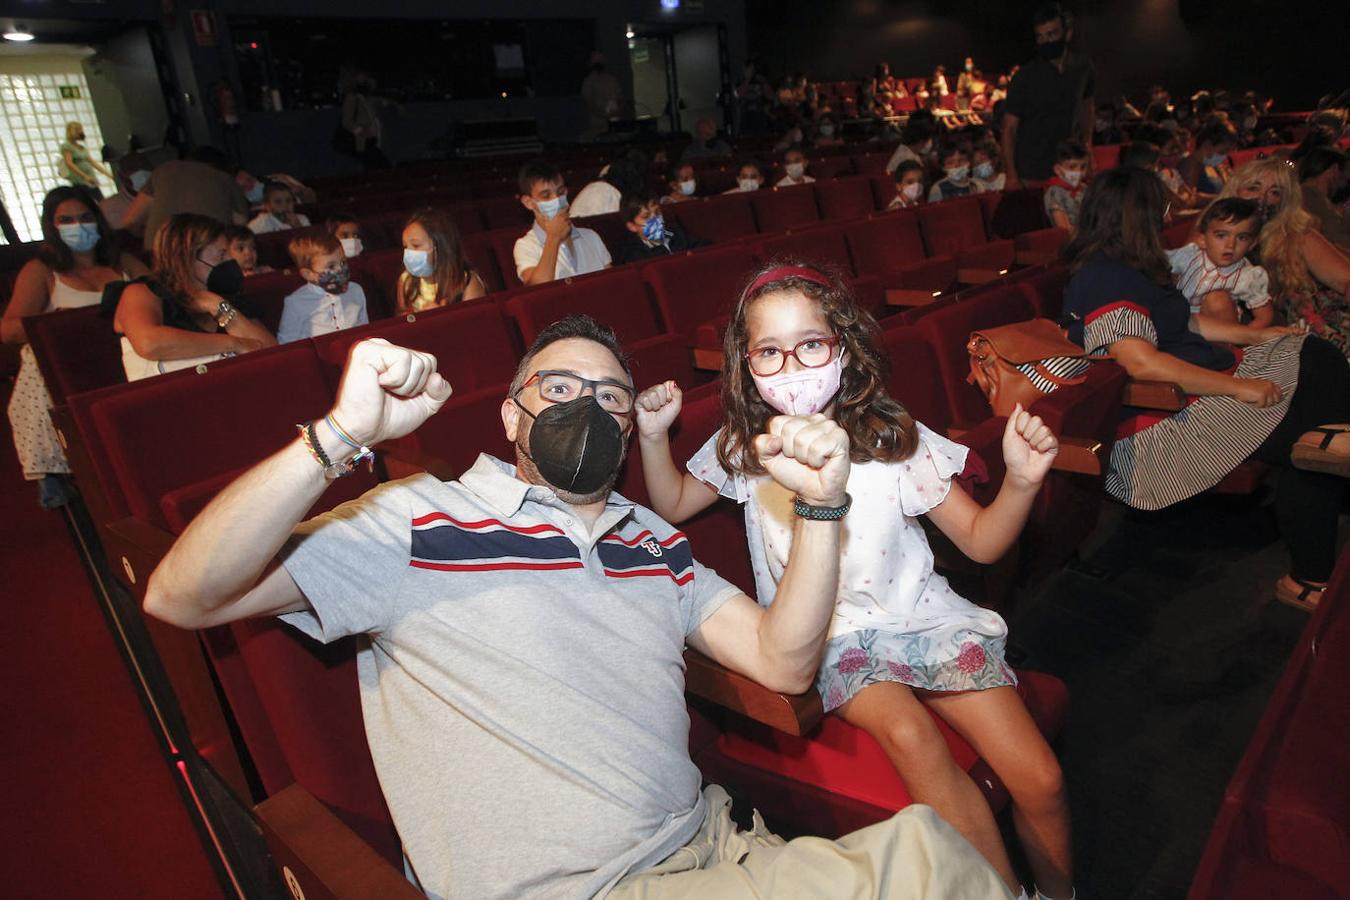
[{"x": 70, "y": 92}]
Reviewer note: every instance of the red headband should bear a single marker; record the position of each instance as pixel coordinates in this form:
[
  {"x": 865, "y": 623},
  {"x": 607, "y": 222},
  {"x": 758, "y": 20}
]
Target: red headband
[{"x": 780, "y": 272}]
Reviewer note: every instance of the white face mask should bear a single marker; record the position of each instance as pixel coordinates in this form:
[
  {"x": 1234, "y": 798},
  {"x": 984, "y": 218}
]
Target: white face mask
[
  {"x": 748, "y": 184},
  {"x": 795, "y": 170},
  {"x": 958, "y": 174},
  {"x": 1073, "y": 178},
  {"x": 803, "y": 392},
  {"x": 827, "y": 129},
  {"x": 352, "y": 246},
  {"x": 687, "y": 187},
  {"x": 912, "y": 191},
  {"x": 983, "y": 170}
]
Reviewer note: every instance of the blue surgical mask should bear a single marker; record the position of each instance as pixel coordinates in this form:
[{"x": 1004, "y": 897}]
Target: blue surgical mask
[
  {"x": 79, "y": 236},
  {"x": 418, "y": 263},
  {"x": 1215, "y": 160},
  {"x": 255, "y": 193},
  {"x": 958, "y": 174},
  {"x": 983, "y": 170},
  {"x": 827, "y": 129},
  {"x": 138, "y": 180},
  {"x": 654, "y": 230},
  {"x": 550, "y": 208},
  {"x": 687, "y": 187}
]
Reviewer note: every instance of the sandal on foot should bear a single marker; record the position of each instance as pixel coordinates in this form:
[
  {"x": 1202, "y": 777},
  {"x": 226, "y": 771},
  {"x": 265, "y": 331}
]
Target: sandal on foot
[
  {"x": 1318, "y": 457},
  {"x": 1305, "y": 597}
]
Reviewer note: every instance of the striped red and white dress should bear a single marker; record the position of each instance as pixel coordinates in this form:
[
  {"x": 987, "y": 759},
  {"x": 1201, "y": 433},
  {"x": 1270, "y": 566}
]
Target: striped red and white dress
[{"x": 1178, "y": 456}]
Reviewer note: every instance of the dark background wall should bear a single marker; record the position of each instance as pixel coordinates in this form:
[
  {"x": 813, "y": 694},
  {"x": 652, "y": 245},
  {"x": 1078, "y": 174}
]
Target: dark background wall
[{"x": 1296, "y": 51}]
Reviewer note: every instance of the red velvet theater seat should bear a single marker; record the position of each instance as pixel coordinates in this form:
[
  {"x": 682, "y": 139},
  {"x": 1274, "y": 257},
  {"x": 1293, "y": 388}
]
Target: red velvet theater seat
[
  {"x": 825, "y": 243},
  {"x": 956, "y": 228},
  {"x": 785, "y": 207},
  {"x": 264, "y": 296},
  {"x": 76, "y": 350},
  {"x": 617, "y": 297},
  {"x": 1045, "y": 290},
  {"x": 845, "y": 198},
  {"x": 718, "y": 219},
  {"x": 889, "y": 246},
  {"x": 698, "y": 287},
  {"x": 272, "y": 249}
]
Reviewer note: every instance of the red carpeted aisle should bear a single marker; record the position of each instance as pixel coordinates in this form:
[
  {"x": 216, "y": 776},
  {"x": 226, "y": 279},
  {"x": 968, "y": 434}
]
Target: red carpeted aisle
[{"x": 92, "y": 808}]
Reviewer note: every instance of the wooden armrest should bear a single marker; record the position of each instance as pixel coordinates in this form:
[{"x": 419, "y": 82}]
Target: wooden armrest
[
  {"x": 321, "y": 856},
  {"x": 135, "y": 548},
  {"x": 979, "y": 276},
  {"x": 910, "y": 296},
  {"x": 791, "y": 713},
  {"x": 1163, "y": 395},
  {"x": 707, "y": 360},
  {"x": 1081, "y": 455}
]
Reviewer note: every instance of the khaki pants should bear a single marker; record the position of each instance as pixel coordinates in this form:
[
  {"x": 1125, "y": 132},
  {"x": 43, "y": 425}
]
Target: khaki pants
[{"x": 913, "y": 854}]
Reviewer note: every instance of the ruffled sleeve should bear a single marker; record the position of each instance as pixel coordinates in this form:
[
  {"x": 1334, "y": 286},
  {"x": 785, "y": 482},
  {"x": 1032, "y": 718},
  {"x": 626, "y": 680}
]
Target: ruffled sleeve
[
  {"x": 1253, "y": 287},
  {"x": 704, "y": 466},
  {"x": 926, "y": 477},
  {"x": 1114, "y": 322}
]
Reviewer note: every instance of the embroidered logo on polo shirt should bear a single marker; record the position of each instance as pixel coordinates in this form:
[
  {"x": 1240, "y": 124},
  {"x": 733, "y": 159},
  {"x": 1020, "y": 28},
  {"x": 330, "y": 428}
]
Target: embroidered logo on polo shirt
[
  {"x": 642, "y": 555},
  {"x": 446, "y": 544}
]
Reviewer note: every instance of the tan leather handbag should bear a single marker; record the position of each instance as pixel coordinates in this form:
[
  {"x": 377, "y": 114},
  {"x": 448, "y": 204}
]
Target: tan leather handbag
[{"x": 1022, "y": 362}]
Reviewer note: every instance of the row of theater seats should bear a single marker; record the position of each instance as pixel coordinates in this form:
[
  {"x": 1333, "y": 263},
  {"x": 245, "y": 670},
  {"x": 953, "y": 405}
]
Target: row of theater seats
[{"x": 827, "y": 773}]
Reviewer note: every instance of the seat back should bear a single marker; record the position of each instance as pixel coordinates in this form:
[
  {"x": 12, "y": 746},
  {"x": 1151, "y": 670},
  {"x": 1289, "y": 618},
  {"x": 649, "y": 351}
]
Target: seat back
[
  {"x": 504, "y": 212},
  {"x": 697, "y": 287},
  {"x": 617, "y": 297},
  {"x": 717, "y": 219},
  {"x": 845, "y": 198},
  {"x": 1045, "y": 291},
  {"x": 273, "y": 249},
  {"x": 825, "y": 244},
  {"x": 76, "y": 350},
  {"x": 951, "y": 226},
  {"x": 825, "y": 168},
  {"x": 784, "y": 207},
  {"x": 885, "y": 244},
  {"x": 1018, "y": 212},
  {"x": 1105, "y": 156},
  {"x": 478, "y": 252},
  {"x": 378, "y": 271},
  {"x": 913, "y": 378},
  {"x": 264, "y": 296}
]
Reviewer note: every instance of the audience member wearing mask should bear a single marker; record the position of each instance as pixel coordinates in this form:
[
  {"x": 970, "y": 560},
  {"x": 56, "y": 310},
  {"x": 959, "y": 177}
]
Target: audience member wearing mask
[
  {"x": 987, "y": 167},
  {"x": 252, "y": 186},
  {"x": 347, "y": 229},
  {"x": 1143, "y": 155},
  {"x": 202, "y": 184},
  {"x": 956, "y": 180},
  {"x": 625, "y": 175},
  {"x": 966, "y": 81},
  {"x": 750, "y": 177},
  {"x": 184, "y": 312},
  {"x": 908, "y": 185},
  {"x": 553, "y": 247},
  {"x": 329, "y": 300},
  {"x": 435, "y": 270},
  {"x": 826, "y": 133},
  {"x": 78, "y": 256},
  {"x": 1050, "y": 100},
  {"x": 77, "y": 166},
  {"x": 649, "y": 234},
  {"x": 680, "y": 184},
  {"x": 1206, "y": 169},
  {"x": 1064, "y": 193},
  {"x": 244, "y": 250},
  {"x": 278, "y": 211},
  {"x": 1309, "y": 277},
  {"x": 706, "y": 143},
  {"x": 133, "y": 172},
  {"x": 1322, "y": 175},
  {"x": 916, "y": 143},
  {"x": 794, "y": 168}
]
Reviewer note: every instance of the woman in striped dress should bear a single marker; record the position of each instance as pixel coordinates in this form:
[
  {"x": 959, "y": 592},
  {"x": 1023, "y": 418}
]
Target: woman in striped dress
[{"x": 1283, "y": 399}]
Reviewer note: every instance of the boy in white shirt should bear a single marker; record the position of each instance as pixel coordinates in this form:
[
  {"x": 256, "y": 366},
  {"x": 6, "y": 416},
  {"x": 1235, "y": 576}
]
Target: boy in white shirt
[
  {"x": 553, "y": 247},
  {"x": 329, "y": 300},
  {"x": 278, "y": 211},
  {"x": 794, "y": 164},
  {"x": 908, "y": 185},
  {"x": 1214, "y": 274}
]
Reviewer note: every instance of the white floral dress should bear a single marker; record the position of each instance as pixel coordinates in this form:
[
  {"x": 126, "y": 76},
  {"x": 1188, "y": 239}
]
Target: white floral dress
[{"x": 895, "y": 619}]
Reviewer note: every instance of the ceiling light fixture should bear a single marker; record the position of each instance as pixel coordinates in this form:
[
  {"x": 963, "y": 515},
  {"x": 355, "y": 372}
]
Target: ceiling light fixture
[{"x": 18, "y": 34}]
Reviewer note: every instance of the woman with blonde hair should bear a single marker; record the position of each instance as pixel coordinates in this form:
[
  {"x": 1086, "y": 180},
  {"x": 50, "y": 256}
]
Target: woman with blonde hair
[
  {"x": 184, "y": 312},
  {"x": 1310, "y": 278},
  {"x": 76, "y": 165}
]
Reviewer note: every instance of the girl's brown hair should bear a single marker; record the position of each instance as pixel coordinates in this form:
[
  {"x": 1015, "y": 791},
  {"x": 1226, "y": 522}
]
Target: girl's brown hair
[
  {"x": 450, "y": 273},
  {"x": 178, "y": 244},
  {"x": 878, "y": 427},
  {"x": 1121, "y": 220}
]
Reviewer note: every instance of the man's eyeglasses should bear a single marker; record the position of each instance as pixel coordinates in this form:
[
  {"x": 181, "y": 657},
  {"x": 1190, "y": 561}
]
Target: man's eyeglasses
[
  {"x": 560, "y": 387},
  {"x": 811, "y": 353}
]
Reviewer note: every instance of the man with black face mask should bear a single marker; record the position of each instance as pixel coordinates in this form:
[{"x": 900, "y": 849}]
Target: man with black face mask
[
  {"x": 523, "y": 686},
  {"x": 1049, "y": 100}
]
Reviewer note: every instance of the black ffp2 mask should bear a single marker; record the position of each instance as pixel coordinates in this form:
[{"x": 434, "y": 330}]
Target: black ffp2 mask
[
  {"x": 226, "y": 279},
  {"x": 576, "y": 446},
  {"x": 1051, "y": 50}
]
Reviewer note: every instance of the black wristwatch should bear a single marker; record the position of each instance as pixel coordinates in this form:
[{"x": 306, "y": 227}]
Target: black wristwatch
[{"x": 822, "y": 513}]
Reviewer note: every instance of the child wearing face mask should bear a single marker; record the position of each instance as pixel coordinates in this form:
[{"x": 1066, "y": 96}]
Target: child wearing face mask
[
  {"x": 956, "y": 181},
  {"x": 1064, "y": 193},
  {"x": 435, "y": 270},
  {"x": 750, "y": 177},
  {"x": 553, "y": 247},
  {"x": 329, "y": 300},
  {"x": 1206, "y": 170},
  {"x": 278, "y": 211},
  {"x": 681, "y": 184},
  {"x": 827, "y": 134},
  {"x": 916, "y": 143},
  {"x": 244, "y": 250},
  {"x": 908, "y": 186},
  {"x": 347, "y": 230},
  {"x": 650, "y": 234},
  {"x": 986, "y": 170},
  {"x": 901, "y": 642},
  {"x": 794, "y": 169}
]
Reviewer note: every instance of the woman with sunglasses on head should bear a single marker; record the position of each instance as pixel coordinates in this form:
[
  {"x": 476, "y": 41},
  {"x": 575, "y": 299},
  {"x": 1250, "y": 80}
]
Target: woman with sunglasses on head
[
  {"x": 79, "y": 255},
  {"x": 184, "y": 313}
]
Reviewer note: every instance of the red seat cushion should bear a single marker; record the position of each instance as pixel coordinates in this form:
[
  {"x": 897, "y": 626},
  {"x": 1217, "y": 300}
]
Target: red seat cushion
[
  {"x": 951, "y": 226},
  {"x": 885, "y": 244},
  {"x": 845, "y": 198},
  {"x": 825, "y": 244},
  {"x": 616, "y": 297},
  {"x": 720, "y": 218},
  {"x": 784, "y": 207}
]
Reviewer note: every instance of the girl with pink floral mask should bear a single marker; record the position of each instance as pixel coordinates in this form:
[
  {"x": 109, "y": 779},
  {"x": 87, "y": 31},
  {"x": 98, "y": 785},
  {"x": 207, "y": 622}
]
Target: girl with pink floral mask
[{"x": 901, "y": 642}]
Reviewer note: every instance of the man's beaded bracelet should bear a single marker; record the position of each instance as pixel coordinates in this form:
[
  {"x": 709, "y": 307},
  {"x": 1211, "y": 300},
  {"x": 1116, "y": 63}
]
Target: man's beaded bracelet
[
  {"x": 821, "y": 513},
  {"x": 309, "y": 435}
]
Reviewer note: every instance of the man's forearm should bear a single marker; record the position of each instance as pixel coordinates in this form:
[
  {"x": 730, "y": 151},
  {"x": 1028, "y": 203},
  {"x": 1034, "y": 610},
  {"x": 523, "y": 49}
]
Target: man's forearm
[{"x": 792, "y": 632}]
